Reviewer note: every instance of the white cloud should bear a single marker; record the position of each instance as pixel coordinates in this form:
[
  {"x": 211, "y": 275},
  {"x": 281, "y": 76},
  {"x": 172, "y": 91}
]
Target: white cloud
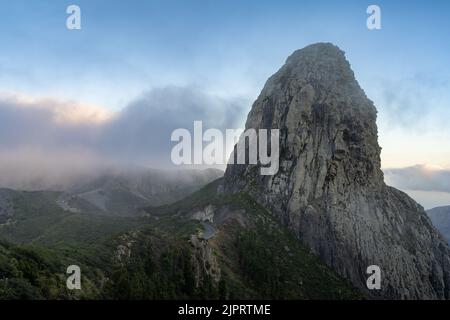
[
  {"x": 419, "y": 178},
  {"x": 70, "y": 112}
]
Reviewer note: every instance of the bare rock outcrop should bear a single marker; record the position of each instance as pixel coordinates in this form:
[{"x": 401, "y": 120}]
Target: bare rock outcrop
[{"x": 330, "y": 190}]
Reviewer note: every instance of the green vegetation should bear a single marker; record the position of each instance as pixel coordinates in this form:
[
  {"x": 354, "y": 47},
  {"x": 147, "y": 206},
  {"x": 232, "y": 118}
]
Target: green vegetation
[
  {"x": 263, "y": 259},
  {"x": 36, "y": 273},
  {"x": 155, "y": 258},
  {"x": 159, "y": 268},
  {"x": 282, "y": 269}
]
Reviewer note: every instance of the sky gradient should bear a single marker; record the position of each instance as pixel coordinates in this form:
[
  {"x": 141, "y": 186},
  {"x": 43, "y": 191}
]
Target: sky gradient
[{"x": 128, "y": 51}]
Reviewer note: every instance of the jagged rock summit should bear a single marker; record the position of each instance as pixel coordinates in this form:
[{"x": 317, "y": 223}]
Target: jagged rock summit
[{"x": 330, "y": 190}]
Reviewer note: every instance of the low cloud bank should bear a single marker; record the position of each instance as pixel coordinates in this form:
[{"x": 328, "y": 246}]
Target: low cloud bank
[
  {"x": 419, "y": 178},
  {"x": 48, "y": 143}
]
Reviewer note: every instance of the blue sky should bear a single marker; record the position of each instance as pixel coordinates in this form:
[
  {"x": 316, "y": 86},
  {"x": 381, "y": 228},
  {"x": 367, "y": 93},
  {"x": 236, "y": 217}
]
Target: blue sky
[{"x": 229, "y": 49}]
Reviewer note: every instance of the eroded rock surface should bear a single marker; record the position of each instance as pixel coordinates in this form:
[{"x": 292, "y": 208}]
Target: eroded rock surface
[{"x": 330, "y": 190}]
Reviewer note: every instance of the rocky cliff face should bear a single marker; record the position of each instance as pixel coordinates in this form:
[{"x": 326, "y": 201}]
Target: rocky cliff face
[{"x": 330, "y": 190}]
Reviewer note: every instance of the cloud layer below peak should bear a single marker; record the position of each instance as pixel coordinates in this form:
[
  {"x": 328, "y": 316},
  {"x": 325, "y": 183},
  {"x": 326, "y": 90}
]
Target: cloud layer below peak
[{"x": 38, "y": 136}]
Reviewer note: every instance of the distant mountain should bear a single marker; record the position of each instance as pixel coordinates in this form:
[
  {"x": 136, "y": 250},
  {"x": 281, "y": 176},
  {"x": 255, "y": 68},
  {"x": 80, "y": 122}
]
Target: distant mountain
[
  {"x": 53, "y": 216},
  {"x": 123, "y": 192},
  {"x": 36, "y": 217},
  {"x": 440, "y": 217},
  {"x": 43, "y": 232}
]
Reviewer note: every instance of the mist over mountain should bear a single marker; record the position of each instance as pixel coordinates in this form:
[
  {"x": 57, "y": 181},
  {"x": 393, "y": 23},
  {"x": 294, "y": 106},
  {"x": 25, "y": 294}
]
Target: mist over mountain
[
  {"x": 125, "y": 192},
  {"x": 310, "y": 231},
  {"x": 50, "y": 144}
]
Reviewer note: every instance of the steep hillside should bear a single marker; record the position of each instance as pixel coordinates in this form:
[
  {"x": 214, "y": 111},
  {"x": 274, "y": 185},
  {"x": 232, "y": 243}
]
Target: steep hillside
[
  {"x": 124, "y": 192},
  {"x": 249, "y": 254},
  {"x": 38, "y": 218},
  {"x": 167, "y": 256}
]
